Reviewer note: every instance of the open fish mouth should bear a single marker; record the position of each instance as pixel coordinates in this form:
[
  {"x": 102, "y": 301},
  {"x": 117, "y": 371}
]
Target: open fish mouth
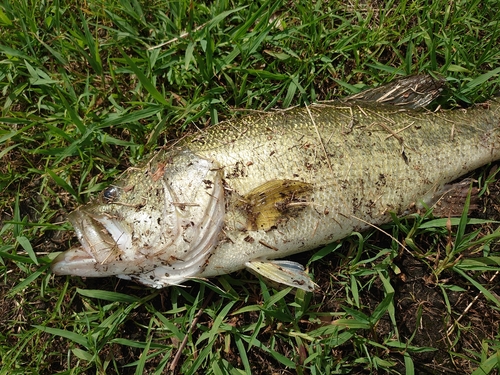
[{"x": 103, "y": 242}]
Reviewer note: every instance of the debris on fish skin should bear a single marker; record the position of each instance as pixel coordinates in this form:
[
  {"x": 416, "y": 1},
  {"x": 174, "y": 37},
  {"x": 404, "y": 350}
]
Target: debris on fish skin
[{"x": 243, "y": 193}]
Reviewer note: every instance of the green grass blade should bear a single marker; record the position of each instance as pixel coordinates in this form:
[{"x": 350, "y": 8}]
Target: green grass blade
[
  {"x": 61, "y": 183},
  {"x": 26, "y": 245},
  {"x": 76, "y": 338},
  {"x": 480, "y": 287},
  {"x": 148, "y": 85},
  {"x": 107, "y": 296},
  {"x": 93, "y": 57},
  {"x": 480, "y": 80}
]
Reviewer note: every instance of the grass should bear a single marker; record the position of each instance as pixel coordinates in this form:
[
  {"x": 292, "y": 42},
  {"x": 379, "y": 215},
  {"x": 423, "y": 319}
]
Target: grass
[{"x": 90, "y": 88}]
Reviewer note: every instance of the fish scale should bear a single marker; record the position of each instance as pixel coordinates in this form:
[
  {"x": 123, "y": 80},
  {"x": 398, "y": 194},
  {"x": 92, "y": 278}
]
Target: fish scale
[{"x": 248, "y": 191}]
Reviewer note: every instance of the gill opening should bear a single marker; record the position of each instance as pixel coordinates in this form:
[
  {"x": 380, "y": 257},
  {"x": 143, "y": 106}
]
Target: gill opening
[{"x": 207, "y": 230}]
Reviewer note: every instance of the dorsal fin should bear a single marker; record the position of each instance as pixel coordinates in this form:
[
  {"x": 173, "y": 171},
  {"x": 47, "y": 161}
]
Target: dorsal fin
[{"x": 412, "y": 92}]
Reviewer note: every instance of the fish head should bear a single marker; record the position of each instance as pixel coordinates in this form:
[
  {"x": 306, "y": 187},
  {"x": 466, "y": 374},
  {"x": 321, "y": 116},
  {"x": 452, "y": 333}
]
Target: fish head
[{"x": 157, "y": 224}]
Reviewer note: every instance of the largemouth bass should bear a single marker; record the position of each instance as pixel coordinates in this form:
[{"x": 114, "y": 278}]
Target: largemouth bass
[{"x": 244, "y": 193}]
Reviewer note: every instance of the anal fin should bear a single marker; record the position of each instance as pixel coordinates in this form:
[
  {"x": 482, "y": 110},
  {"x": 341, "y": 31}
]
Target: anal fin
[
  {"x": 449, "y": 200},
  {"x": 284, "y": 272}
]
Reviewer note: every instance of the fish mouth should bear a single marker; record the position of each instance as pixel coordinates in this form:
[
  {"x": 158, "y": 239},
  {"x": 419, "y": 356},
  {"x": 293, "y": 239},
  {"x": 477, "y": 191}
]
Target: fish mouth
[{"x": 102, "y": 241}]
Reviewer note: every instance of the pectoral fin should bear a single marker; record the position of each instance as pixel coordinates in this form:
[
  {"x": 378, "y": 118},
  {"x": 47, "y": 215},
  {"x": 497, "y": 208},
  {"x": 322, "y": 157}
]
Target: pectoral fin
[
  {"x": 284, "y": 272},
  {"x": 274, "y": 201}
]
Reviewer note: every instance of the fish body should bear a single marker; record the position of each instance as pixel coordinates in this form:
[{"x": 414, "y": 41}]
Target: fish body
[{"x": 243, "y": 193}]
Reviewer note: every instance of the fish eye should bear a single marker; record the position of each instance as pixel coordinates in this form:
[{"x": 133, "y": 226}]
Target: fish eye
[{"x": 110, "y": 194}]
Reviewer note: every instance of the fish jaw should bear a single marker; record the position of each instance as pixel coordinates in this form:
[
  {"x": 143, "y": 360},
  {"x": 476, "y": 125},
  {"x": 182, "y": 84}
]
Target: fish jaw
[
  {"x": 78, "y": 262},
  {"x": 75, "y": 261}
]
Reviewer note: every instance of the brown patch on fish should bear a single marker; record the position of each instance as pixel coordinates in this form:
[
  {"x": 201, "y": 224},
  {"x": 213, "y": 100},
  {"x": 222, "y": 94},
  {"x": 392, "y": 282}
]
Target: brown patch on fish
[
  {"x": 268, "y": 246},
  {"x": 160, "y": 171}
]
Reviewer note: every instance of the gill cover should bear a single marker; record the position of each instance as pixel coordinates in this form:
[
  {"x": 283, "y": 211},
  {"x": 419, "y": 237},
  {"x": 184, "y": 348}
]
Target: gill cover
[{"x": 157, "y": 224}]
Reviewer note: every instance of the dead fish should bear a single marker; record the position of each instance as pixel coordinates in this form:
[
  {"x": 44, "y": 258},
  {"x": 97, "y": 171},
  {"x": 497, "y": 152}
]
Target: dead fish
[{"x": 244, "y": 193}]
